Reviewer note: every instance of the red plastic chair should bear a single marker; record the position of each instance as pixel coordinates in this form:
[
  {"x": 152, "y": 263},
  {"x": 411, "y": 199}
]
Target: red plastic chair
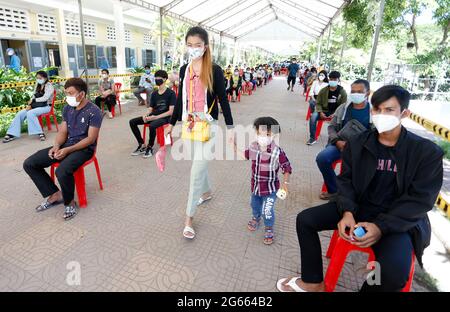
[
  {"x": 247, "y": 88},
  {"x": 339, "y": 161},
  {"x": 117, "y": 87},
  {"x": 80, "y": 181},
  {"x": 175, "y": 89},
  {"x": 319, "y": 126},
  {"x": 309, "y": 113},
  {"x": 160, "y": 139},
  {"x": 307, "y": 93},
  {"x": 338, "y": 251},
  {"x": 47, "y": 116},
  {"x": 238, "y": 97}
]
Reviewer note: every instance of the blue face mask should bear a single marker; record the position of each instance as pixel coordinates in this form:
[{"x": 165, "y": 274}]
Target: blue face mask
[
  {"x": 147, "y": 71},
  {"x": 357, "y": 98},
  {"x": 333, "y": 83},
  {"x": 40, "y": 81}
]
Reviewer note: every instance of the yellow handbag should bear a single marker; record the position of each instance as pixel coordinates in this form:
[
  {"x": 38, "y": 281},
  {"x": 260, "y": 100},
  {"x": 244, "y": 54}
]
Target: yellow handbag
[{"x": 195, "y": 130}]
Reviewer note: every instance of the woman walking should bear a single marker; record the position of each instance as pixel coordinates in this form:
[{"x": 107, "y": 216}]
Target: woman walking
[{"x": 202, "y": 87}]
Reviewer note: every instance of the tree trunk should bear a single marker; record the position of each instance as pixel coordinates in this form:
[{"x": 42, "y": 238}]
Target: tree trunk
[
  {"x": 446, "y": 31},
  {"x": 414, "y": 32}
]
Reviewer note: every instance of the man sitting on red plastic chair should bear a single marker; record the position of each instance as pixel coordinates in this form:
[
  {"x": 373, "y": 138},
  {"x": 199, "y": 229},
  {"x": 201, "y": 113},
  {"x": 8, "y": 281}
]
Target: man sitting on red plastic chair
[
  {"x": 390, "y": 180},
  {"x": 328, "y": 100},
  {"x": 162, "y": 103},
  {"x": 75, "y": 144},
  {"x": 349, "y": 119}
]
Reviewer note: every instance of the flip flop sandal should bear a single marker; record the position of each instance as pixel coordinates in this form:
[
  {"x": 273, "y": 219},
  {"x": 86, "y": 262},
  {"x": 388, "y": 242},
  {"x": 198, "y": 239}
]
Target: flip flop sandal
[
  {"x": 268, "y": 237},
  {"x": 202, "y": 201},
  {"x": 46, "y": 205},
  {"x": 253, "y": 224},
  {"x": 188, "y": 229},
  {"x": 292, "y": 284},
  {"x": 70, "y": 212},
  {"x": 9, "y": 138}
]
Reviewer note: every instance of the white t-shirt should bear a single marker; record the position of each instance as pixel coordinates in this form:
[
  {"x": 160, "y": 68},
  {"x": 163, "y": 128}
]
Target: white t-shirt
[{"x": 317, "y": 86}]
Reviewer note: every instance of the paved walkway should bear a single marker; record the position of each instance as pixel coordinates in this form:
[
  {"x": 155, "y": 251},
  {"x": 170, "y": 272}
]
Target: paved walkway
[{"x": 129, "y": 237}]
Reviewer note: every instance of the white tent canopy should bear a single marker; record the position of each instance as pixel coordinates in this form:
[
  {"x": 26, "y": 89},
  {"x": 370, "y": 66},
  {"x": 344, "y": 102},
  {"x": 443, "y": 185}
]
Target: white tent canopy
[{"x": 254, "y": 21}]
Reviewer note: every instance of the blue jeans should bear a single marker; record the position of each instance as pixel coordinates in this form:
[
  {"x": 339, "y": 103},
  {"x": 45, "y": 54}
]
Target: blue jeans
[
  {"x": 324, "y": 161},
  {"x": 33, "y": 123},
  {"x": 264, "y": 206}
]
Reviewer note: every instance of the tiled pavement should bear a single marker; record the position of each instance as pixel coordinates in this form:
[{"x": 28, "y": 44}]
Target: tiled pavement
[{"x": 129, "y": 237}]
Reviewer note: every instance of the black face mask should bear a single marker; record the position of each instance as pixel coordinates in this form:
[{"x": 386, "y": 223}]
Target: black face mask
[{"x": 159, "y": 82}]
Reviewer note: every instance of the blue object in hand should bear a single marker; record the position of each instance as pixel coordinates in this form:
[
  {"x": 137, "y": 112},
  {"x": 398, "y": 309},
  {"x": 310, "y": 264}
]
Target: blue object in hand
[{"x": 359, "y": 232}]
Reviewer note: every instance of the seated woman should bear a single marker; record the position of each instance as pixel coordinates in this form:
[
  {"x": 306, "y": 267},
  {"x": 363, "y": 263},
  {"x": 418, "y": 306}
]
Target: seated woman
[
  {"x": 107, "y": 93},
  {"x": 235, "y": 85},
  {"x": 39, "y": 104}
]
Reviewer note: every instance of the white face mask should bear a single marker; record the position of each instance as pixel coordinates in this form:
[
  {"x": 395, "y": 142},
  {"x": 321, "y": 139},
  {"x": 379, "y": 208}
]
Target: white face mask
[
  {"x": 195, "y": 53},
  {"x": 321, "y": 77},
  {"x": 264, "y": 140},
  {"x": 104, "y": 76},
  {"x": 72, "y": 101},
  {"x": 10, "y": 53},
  {"x": 385, "y": 123}
]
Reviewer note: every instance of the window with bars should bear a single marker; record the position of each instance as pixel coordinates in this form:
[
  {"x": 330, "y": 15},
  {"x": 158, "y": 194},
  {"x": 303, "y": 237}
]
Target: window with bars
[
  {"x": 111, "y": 56},
  {"x": 130, "y": 57},
  {"x": 111, "y": 33},
  {"x": 148, "y": 57},
  {"x": 127, "y": 35},
  {"x": 13, "y": 19},
  {"x": 46, "y": 24}
]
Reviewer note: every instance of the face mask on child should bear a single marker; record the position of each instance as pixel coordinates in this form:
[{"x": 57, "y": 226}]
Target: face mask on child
[{"x": 264, "y": 140}]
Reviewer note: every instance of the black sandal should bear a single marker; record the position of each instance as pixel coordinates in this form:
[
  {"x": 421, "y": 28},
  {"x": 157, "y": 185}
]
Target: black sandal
[
  {"x": 9, "y": 138},
  {"x": 42, "y": 137}
]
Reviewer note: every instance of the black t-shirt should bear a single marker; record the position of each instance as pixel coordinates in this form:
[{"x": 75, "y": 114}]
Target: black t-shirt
[
  {"x": 161, "y": 102},
  {"x": 383, "y": 189},
  {"x": 332, "y": 100}
]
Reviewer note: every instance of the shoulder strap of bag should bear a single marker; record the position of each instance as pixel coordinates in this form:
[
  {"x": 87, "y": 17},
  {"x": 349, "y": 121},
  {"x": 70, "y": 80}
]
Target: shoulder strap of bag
[{"x": 191, "y": 105}]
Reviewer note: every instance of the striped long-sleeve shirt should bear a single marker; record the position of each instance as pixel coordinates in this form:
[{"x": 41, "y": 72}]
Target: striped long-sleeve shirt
[{"x": 265, "y": 167}]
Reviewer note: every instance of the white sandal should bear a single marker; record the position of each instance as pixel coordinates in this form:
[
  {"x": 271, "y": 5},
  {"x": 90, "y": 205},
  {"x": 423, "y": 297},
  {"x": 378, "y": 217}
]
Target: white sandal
[
  {"x": 201, "y": 200},
  {"x": 292, "y": 283},
  {"x": 188, "y": 229}
]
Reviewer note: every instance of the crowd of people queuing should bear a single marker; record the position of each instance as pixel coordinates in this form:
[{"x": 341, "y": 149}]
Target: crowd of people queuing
[{"x": 390, "y": 177}]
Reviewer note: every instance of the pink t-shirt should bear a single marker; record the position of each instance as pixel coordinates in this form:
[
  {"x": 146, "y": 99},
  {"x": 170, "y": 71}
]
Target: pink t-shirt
[{"x": 198, "y": 96}]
